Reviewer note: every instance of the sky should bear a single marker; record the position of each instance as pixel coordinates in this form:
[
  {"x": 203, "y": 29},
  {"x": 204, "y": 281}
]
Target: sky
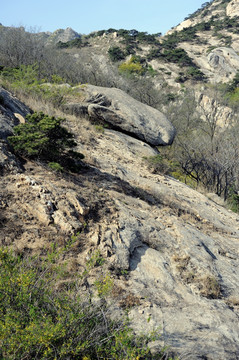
[{"x": 86, "y": 16}]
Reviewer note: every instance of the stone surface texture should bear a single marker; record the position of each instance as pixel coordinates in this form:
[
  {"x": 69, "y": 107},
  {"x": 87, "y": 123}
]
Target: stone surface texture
[
  {"x": 122, "y": 112},
  {"x": 233, "y": 8},
  {"x": 170, "y": 250},
  {"x": 11, "y": 111}
]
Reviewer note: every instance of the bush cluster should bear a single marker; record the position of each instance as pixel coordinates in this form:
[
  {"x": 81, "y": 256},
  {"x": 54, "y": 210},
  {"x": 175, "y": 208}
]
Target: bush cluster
[
  {"x": 43, "y": 137},
  {"x": 190, "y": 33},
  {"x": 233, "y": 200},
  {"x": 131, "y": 41},
  {"x": 133, "y": 66},
  {"x": 134, "y": 36},
  {"x": 192, "y": 73},
  {"x": 116, "y": 54},
  {"x": 37, "y": 321},
  {"x": 70, "y": 44},
  {"x": 25, "y": 79},
  {"x": 203, "y": 8}
]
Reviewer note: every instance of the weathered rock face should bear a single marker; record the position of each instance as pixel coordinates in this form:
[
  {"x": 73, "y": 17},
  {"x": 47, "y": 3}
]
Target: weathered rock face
[
  {"x": 10, "y": 106},
  {"x": 218, "y": 66},
  {"x": 124, "y": 113},
  {"x": 8, "y": 161},
  {"x": 181, "y": 270},
  {"x": 211, "y": 109},
  {"x": 178, "y": 249},
  {"x": 11, "y": 109},
  {"x": 181, "y": 253},
  {"x": 233, "y": 8},
  {"x": 63, "y": 35},
  {"x": 224, "y": 61}
]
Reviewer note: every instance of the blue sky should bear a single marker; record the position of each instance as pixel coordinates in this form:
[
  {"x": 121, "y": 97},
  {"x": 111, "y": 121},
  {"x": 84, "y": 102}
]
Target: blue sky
[{"x": 85, "y": 16}]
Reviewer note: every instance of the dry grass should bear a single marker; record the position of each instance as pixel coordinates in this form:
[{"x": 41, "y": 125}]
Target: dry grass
[
  {"x": 209, "y": 287},
  {"x": 129, "y": 301},
  {"x": 182, "y": 262},
  {"x": 126, "y": 299},
  {"x": 233, "y": 301}
]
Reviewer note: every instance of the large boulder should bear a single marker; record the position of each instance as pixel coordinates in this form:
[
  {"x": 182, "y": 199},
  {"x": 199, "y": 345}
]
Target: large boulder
[
  {"x": 12, "y": 111},
  {"x": 125, "y": 114},
  {"x": 224, "y": 61},
  {"x": 10, "y": 106}
]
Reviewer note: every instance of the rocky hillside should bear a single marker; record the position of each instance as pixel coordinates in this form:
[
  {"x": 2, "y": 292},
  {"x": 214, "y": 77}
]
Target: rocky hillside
[
  {"x": 203, "y": 48},
  {"x": 172, "y": 252},
  {"x": 214, "y": 45},
  {"x": 209, "y": 37},
  {"x": 60, "y": 35}
]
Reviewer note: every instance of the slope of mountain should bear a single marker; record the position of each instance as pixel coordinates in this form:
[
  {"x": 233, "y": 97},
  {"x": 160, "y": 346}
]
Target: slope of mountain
[
  {"x": 209, "y": 37},
  {"x": 178, "y": 248},
  {"x": 171, "y": 251},
  {"x": 63, "y": 35}
]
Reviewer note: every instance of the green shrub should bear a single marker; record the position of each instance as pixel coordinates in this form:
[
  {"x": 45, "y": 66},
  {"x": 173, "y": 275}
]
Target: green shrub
[
  {"x": 171, "y": 41},
  {"x": 99, "y": 128},
  {"x": 116, "y": 54},
  {"x": 232, "y": 97},
  {"x": 55, "y": 166},
  {"x": 180, "y": 175},
  {"x": 161, "y": 164},
  {"x": 170, "y": 97},
  {"x": 170, "y": 52},
  {"x": 210, "y": 48},
  {"x": 37, "y": 321},
  {"x": 178, "y": 56},
  {"x": 75, "y": 43},
  {"x": 154, "y": 54},
  {"x": 233, "y": 85},
  {"x": 202, "y": 10},
  {"x": 42, "y": 137},
  {"x": 122, "y": 32},
  {"x": 56, "y": 79},
  {"x": 146, "y": 38},
  {"x": 195, "y": 74},
  {"x": 100, "y": 32},
  {"x": 224, "y": 24},
  {"x": 132, "y": 67},
  {"x": 134, "y": 35},
  {"x": 151, "y": 71},
  {"x": 25, "y": 80},
  {"x": 157, "y": 164},
  {"x": 233, "y": 201},
  {"x": 203, "y": 26},
  {"x": 192, "y": 73},
  {"x": 130, "y": 49},
  {"x": 22, "y": 76},
  {"x": 110, "y": 31}
]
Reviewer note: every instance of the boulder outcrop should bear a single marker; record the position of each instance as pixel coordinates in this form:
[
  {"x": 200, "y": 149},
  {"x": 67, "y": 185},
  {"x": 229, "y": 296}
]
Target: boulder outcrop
[
  {"x": 122, "y": 112},
  {"x": 224, "y": 61},
  {"x": 9, "y": 106},
  {"x": 11, "y": 111},
  {"x": 63, "y": 35}
]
